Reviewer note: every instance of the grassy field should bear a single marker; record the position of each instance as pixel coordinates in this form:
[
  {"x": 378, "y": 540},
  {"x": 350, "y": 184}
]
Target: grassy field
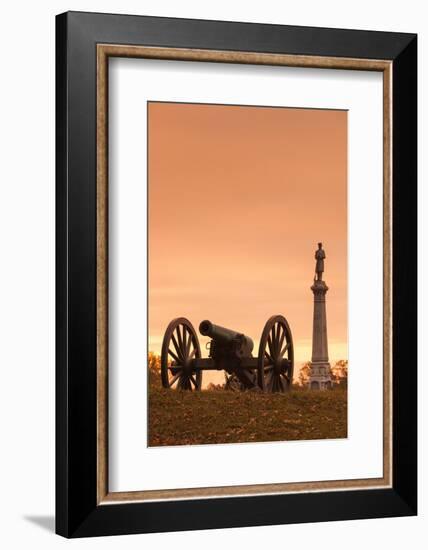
[{"x": 218, "y": 416}]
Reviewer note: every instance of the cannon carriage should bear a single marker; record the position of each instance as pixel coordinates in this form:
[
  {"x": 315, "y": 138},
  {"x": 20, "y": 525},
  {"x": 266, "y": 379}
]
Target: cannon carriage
[{"x": 271, "y": 371}]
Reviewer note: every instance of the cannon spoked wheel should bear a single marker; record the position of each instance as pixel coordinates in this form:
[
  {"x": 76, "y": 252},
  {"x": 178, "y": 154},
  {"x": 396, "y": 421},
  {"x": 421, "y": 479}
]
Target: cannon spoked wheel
[
  {"x": 179, "y": 347},
  {"x": 275, "y": 363}
]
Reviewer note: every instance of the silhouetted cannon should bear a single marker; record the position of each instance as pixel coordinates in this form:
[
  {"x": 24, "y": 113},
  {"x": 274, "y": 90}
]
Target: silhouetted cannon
[
  {"x": 231, "y": 351},
  {"x": 225, "y": 340},
  {"x": 227, "y": 349}
]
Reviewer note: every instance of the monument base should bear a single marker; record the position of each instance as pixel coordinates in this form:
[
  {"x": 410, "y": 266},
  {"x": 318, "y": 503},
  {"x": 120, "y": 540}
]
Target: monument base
[{"x": 319, "y": 376}]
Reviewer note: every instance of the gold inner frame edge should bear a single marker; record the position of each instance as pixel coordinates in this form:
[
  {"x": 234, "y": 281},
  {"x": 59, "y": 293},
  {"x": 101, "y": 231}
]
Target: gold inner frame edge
[{"x": 104, "y": 51}]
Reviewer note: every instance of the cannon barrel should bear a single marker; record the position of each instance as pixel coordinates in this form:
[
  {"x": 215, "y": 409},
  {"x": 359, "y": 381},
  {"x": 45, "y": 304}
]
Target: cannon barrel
[{"x": 224, "y": 335}]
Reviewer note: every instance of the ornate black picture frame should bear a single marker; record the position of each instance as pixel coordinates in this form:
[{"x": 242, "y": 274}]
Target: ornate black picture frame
[{"x": 84, "y": 43}]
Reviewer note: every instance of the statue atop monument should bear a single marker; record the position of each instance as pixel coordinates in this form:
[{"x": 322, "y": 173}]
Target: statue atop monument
[{"x": 320, "y": 257}]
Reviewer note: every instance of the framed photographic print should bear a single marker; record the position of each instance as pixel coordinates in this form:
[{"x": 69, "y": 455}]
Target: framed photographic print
[{"x": 236, "y": 274}]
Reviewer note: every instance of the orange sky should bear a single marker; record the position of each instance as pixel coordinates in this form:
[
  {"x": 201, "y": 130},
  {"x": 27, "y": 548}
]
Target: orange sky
[{"x": 238, "y": 199}]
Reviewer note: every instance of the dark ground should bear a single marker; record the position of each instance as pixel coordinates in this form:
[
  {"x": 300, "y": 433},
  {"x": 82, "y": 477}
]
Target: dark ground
[{"x": 219, "y": 416}]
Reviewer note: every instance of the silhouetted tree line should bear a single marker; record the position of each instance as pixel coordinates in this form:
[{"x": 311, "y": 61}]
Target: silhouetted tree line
[{"x": 339, "y": 375}]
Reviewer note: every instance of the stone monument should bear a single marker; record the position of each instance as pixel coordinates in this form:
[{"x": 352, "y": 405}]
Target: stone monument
[{"x": 320, "y": 377}]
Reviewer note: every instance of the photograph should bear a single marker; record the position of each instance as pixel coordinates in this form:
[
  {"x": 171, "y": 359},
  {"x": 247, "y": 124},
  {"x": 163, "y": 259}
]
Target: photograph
[
  {"x": 213, "y": 253},
  {"x": 236, "y": 261},
  {"x": 247, "y": 273}
]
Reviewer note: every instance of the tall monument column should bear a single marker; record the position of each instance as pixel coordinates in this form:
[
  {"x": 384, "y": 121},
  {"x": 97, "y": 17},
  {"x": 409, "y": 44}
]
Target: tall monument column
[{"x": 320, "y": 377}]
